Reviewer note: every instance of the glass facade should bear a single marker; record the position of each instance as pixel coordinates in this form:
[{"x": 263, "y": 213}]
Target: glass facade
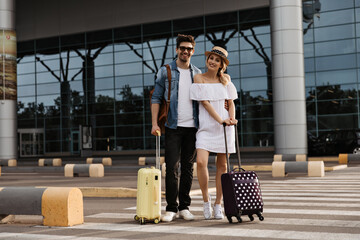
[
  {"x": 331, "y": 47},
  {"x": 103, "y": 78}
]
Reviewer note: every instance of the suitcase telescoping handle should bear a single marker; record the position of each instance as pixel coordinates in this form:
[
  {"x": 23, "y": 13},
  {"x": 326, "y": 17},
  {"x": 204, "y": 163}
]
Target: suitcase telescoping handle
[
  {"x": 237, "y": 147},
  {"x": 157, "y": 159}
]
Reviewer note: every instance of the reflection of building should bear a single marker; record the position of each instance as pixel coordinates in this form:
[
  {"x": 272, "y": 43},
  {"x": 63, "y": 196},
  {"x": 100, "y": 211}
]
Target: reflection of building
[{"x": 93, "y": 64}]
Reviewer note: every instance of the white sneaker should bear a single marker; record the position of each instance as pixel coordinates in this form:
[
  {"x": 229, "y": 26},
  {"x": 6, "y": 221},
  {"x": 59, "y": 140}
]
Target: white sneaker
[
  {"x": 168, "y": 217},
  {"x": 218, "y": 212},
  {"x": 208, "y": 209},
  {"x": 186, "y": 214}
]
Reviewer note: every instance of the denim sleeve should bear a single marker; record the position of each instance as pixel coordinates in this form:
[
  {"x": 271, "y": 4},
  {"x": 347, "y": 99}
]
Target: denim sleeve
[{"x": 158, "y": 94}]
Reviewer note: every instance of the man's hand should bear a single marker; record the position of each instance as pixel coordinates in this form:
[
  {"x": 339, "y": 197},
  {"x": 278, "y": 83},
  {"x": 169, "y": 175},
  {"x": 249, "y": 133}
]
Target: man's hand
[{"x": 154, "y": 129}]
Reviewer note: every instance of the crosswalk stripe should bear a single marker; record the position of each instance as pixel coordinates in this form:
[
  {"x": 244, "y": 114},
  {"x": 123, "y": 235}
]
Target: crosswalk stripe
[
  {"x": 274, "y": 186},
  {"x": 212, "y": 231},
  {"x": 299, "y": 198},
  {"x": 335, "y": 199},
  {"x": 303, "y": 190},
  {"x": 312, "y": 212},
  {"x": 285, "y": 182},
  {"x": 314, "y": 222},
  {"x": 282, "y": 221},
  {"x": 27, "y": 236},
  {"x": 312, "y": 194},
  {"x": 286, "y": 211},
  {"x": 301, "y": 204}
]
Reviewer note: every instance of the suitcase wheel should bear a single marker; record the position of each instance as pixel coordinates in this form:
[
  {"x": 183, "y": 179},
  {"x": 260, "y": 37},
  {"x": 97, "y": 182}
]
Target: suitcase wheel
[
  {"x": 261, "y": 218},
  {"x": 136, "y": 218},
  {"x": 239, "y": 218},
  {"x": 142, "y": 221},
  {"x": 156, "y": 220},
  {"x": 251, "y": 217},
  {"x": 229, "y": 219}
]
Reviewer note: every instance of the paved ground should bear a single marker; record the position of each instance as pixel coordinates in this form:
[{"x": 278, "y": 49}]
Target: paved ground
[{"x": 296, "y": 207}]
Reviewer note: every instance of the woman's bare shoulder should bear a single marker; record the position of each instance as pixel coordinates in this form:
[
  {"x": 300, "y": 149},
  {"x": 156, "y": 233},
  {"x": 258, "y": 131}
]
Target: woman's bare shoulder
[{"x": 198, "y": 78}]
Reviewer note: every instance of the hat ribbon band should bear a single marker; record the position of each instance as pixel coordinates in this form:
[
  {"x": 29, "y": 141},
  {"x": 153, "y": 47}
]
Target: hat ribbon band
[{"x": 218, "y": 52}]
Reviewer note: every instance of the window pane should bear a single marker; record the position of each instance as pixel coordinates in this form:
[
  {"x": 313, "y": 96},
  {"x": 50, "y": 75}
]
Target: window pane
[
  {"x": 28, "y": 90},
  {"x": 336, "y": 4},
  {"x": 335, "y": 18},
  {"x": 250, "y": 84},
  {"x": 336, "y": 62},
  {"x": 335, "y": 47},
  {"x": 104, "y": 83},
  {"x": 345, "y": 121},
  {"x": 336, "y": 77},
  {"x": 27, "y": 79},
  {"x": 52, "y": 88},
  {"x": 334, "y": 32},
  {"x": 337, "y": 106},
  {"x": 253, "y": 70}
]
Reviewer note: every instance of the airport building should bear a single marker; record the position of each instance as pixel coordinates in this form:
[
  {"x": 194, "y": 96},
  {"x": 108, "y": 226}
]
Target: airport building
[{"x": 75, "y": 75}]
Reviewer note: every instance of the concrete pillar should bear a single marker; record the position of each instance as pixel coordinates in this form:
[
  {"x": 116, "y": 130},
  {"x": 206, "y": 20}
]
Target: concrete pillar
[
  {"x": 290, "y": 130},
  {"x": 8, "y": 83}
]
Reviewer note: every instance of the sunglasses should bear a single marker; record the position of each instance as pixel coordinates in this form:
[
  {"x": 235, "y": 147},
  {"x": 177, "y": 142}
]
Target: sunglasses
[{"x": 189, "y": 49}]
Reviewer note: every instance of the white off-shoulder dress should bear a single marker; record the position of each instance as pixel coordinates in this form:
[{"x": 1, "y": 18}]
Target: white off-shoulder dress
[{"x": 210, "y": 135}]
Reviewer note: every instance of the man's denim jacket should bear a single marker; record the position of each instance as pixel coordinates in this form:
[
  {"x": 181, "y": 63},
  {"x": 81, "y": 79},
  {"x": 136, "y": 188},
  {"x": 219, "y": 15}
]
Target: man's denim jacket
[{"x": 162, "y": 88}]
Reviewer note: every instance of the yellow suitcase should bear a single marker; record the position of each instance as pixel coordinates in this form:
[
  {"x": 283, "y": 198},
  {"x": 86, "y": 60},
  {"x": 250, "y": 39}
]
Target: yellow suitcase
[{"x": 148, "y": 199}]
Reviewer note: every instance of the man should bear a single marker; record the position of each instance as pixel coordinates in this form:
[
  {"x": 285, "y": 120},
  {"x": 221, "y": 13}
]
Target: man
[{"x": 180, "y": 128}]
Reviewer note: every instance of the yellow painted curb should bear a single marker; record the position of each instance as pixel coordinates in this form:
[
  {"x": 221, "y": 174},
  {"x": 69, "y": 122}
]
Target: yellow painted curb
[
  {"x": 258, "y": 168},
  {"x": 334, "y": 168},
  {"x": 324, "y": 159},
  {"x": 108, "y": 192}
]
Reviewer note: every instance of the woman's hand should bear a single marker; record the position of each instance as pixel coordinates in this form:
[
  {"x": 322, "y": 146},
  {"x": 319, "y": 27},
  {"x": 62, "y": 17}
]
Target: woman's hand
[
  {"x": 230, "y": 121},
  {"x": 233, "y": 121}
]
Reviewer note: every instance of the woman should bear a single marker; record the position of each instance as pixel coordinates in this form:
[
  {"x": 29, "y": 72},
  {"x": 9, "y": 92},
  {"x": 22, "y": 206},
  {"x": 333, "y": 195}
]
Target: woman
[{"x": 212, "y": 88}]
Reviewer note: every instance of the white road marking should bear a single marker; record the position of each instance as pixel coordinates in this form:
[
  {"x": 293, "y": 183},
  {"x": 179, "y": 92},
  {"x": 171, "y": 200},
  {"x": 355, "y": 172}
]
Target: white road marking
[
  {"x": 212, "y": 231},
  {"x": 329, "y": 199},
  {"x": 287, "y": 211},
  {"x": 282, "y": 221},
  {"x": 27, "y": 236}
]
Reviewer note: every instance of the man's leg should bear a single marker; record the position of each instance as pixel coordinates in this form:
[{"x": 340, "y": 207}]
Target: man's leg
[
  {"x": 172, "y": 152},
  {"x": 188, "y": 154}
]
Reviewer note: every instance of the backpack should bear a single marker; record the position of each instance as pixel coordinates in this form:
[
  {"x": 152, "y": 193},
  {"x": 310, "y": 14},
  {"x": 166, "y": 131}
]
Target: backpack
[{"x": 165, "y": 104}]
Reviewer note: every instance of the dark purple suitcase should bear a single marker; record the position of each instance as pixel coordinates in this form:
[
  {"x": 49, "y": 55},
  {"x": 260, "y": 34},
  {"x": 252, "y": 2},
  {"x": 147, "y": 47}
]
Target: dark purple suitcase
[{"x": 241, "y": 190}]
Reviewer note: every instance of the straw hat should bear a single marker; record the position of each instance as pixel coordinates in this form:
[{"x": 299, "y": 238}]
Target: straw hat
[{"x": 220, "y": 52}]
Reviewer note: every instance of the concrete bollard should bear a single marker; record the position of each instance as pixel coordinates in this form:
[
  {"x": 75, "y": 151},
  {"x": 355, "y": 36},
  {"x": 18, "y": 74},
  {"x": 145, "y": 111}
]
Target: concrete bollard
[
  {"x": 149, "y": 160},
  {"x": 9, "y": 162},
  {"x": 59, "y": 206},
  {"x": 104, "y": 161},
  {"x": 313, "y": 169},
  {"x": 345, "y": 158},
  {"x": 290, "y": 157},
  {"x": 86, "y": 170},
  {"x": 56, "y": 162}
]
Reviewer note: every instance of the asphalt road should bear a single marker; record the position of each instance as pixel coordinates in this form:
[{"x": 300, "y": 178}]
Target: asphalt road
[{"x": 295, "y": 207}]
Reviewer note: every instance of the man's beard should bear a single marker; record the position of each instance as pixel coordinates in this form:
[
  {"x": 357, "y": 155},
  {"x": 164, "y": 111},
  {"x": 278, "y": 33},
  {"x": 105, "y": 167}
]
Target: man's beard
[{"x": 184, "y": 60}]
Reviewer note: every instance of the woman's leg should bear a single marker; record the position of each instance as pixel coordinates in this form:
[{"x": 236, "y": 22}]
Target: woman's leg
[
  {"x": 202, "y": 172},
  {"x": 221, "y": 166}
]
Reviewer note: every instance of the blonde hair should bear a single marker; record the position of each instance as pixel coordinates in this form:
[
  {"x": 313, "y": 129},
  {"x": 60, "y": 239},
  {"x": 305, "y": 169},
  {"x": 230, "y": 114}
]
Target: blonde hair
[{"x": 221, "y": 71}]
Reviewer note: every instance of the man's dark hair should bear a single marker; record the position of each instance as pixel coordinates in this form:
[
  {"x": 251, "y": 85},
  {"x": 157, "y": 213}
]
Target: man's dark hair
[{"x": 184, "y": 38}]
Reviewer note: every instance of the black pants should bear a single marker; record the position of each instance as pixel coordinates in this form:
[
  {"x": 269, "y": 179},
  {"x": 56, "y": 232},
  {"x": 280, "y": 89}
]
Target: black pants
[{"x": 179, "y": 147}]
